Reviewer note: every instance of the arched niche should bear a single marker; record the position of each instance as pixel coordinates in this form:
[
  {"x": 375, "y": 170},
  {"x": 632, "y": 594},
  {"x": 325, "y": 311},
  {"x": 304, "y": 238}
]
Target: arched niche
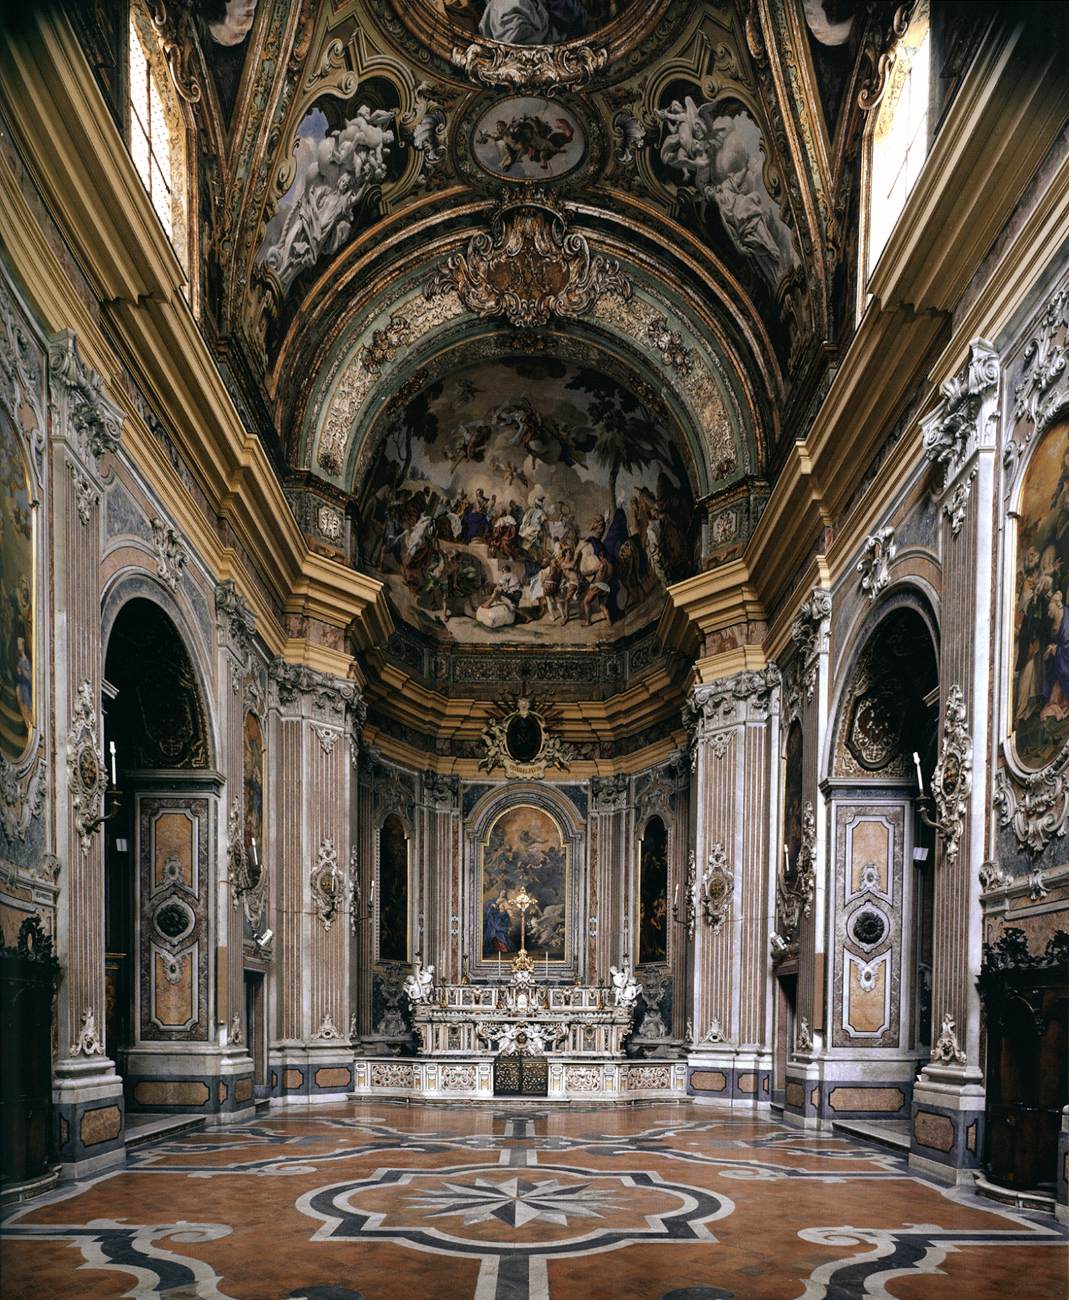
[
  {"x": 881, "y": 853},
  {"x": 653, "y": 925},
  {"x": 393, "y": 889},
  {"x": 160, "y": 845},
  {"x": 526, "y": 834}
]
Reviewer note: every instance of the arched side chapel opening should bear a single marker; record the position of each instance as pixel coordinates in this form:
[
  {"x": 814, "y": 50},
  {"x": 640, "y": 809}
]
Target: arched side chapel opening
[
  {"x": 882, "y": 864},
  {"x": 159, "y": 862}
]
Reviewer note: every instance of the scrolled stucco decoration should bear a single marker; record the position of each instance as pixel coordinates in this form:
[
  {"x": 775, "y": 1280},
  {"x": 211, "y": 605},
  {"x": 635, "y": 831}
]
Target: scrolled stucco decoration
[
  {"x": 717, "y": 888},
  {"x": 529, "y": 267},
  {"x": 877, "y": 556},
  {"x": 795, "y": 892},
  {"x": 328, "y": 1031},
  {"x": 947, "y": 1049},
  {"x": 956, "y": 423},
  {"x": 1040, "y": 390},
  {"x": 716, "y": 703},
  {"x": 530, "y": 67},
  {"x": 327, "y": 695},
  {"x": 1035, "y": 806},
  {"x": 89, "y": 1042},
  {"x": 809, "y": 632},
  {"x": 234, "y": 618},
  {"x": 357, "y": 379},
  {"x": 85, "y": 766},
  {"x": 326, "y": 883},
  {"x": 20, "y": 373},
  {"x": 171, "y": 553},
  {"x": 21, "y": 801},
  {"x": 500, "y": 753},
  {"x": 952, "y": 778},
  {"x": 94, "y": 418}
]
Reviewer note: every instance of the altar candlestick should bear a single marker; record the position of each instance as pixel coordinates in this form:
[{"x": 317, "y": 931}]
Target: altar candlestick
[
  {"x": 499, "y": 963},
  {"x": 547, "y": 965},
  {"x": 787, "y": 858},
  {"x": 111, "y": 750},
  {"x": 920, "y": 778}
]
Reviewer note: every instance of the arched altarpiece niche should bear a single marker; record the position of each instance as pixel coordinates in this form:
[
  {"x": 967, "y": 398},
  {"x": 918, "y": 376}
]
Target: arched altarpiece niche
[{"x": 485, "y": 816}]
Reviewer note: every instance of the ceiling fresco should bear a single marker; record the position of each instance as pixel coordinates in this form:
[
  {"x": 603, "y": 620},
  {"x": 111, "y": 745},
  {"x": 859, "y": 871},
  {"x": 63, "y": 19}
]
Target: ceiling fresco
[
  {"x": 581, "y": 265},
  {"x": 528, "y": 501}
]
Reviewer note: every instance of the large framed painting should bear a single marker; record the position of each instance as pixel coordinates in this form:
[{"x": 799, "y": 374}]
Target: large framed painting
[
  {"x": 253, "y": 779},
  {"x": 393, "y": 890},
  {"x": 653, "y": 893},
  {"x": 524, "y": 850},
  {"x": 792, "y": 795},
  {"x": 17, "y": 629},
  {"x": 1039, "y": 686}
]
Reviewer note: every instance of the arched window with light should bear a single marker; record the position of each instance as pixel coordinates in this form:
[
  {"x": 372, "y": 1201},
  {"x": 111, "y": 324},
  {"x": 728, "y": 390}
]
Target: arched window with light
[
  {"x": 898, "y": 139},
  {"x": 158, "y": 132}
]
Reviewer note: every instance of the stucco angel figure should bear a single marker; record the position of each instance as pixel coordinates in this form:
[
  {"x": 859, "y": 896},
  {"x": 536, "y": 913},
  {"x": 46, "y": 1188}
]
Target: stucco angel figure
[
  {"x": 723, "y": 158},
  {"x": 418, "y": 985},
  {"x": 342, "y": 168},
  {"x": 625, "y": 988}
]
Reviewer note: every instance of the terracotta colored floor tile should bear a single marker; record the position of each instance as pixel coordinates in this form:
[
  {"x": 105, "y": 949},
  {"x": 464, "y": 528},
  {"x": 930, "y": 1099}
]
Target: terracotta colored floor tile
[{"x": 502, "y": 1203}]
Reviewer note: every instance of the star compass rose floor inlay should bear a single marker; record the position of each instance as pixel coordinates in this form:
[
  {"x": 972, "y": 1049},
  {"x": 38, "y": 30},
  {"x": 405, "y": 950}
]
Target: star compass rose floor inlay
[{"x": 651, "y": 1202}]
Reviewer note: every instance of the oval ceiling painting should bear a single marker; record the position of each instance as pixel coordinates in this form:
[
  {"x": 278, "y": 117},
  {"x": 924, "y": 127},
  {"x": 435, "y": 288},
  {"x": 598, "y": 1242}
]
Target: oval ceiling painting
[
  {"x": 532, "y": 22},
  {"x": 528, "y": 138},
  {"x": 529, "y": 501}
]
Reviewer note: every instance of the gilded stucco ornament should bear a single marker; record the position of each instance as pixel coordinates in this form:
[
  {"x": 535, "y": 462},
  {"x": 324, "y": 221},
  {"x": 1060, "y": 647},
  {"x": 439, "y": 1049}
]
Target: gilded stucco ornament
[
  {"x": 952, "y": 778},
  {"x": 795, "y": 892},
  {"x": 326, "y": 883},
  {"x": 519, "y": 743},
  {"x": 531, "y": 67},
  {"x": 85, "y": 767},
  {"x": 717, "y": 887},
  {"x": 529, "y": 267}
]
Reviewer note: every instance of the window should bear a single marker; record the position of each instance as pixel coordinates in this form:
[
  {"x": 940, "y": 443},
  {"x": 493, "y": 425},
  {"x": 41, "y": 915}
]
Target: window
[
  {"x": 157, "y": 133},
  {"x": 899, "y": 141}
]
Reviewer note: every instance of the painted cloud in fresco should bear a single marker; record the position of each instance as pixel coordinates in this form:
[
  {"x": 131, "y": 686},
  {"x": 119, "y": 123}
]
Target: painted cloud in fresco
[
  {"x": 528, "y": 501},
  {"x": 722, "y": 157},
  {"x": 335, "y": 169}
]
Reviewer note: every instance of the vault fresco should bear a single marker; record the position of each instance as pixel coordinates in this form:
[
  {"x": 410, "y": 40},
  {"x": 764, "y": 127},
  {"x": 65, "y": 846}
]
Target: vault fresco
[{"x": 528, "y": 501}]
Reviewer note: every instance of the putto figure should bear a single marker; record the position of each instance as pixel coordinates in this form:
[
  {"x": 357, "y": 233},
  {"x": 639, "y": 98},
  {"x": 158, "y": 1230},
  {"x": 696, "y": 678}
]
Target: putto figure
[{"x": 418, "y": 985}]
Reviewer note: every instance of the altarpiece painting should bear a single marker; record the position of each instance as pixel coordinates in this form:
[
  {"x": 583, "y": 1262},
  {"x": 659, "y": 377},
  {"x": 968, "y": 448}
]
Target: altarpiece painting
[{"x": 524, "y": 850}]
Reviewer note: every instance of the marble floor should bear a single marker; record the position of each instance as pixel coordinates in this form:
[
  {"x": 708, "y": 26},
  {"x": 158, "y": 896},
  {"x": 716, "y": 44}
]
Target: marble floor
[{"x": 501, "y": 1202}]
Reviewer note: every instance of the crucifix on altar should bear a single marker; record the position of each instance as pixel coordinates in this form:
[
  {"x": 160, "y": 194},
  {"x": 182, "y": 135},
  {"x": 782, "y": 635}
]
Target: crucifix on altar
[{"x": 523, "y": 900}]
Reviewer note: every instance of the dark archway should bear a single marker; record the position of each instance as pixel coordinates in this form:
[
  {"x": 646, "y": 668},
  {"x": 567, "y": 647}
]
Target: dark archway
[{"x": 154, "y": 723}]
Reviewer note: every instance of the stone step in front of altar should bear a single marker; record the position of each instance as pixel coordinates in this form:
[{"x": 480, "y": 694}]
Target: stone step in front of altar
[{"x": 427, "y": 1078}]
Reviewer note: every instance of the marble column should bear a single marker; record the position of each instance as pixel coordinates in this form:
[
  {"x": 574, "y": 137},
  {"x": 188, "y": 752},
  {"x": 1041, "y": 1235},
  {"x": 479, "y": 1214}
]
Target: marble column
[
  {"x": 308, "y": 855},
  {"x": 733, "y": 724},
  {"x": 960, "y": 439},
  {"x": 85, "y": 429}
]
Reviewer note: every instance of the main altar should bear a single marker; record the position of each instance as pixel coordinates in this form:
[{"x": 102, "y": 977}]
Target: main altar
[{"x": 520, "y": 1038}]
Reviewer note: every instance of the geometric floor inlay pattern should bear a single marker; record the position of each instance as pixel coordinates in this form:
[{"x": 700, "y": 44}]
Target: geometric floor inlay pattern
[{"x": 656, "y": 1202}]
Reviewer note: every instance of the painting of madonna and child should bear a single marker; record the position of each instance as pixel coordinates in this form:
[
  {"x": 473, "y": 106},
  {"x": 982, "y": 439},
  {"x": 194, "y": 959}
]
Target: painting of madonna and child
[
  {"x": 1040, "y": 681},
  {"x": 525, "y": 851},
  {"x": 528, "y": 500},
  {"x": 530, "y": 22}
]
